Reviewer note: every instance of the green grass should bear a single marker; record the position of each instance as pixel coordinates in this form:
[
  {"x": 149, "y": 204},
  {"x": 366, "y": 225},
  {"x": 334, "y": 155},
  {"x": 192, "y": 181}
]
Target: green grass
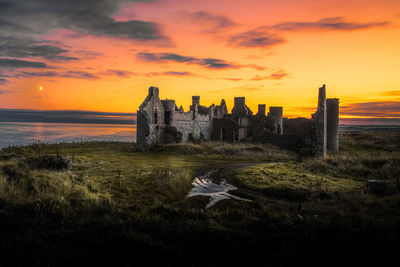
[
  {"x": 116, "y": 206},
  {"x": 294, "y": 176}
]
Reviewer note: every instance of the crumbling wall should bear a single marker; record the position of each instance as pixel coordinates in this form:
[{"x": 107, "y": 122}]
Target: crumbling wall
[
  {"x": 221, "y": 110},
  {"x": 224, "y": 129},
  {"x": 301, "y": 127},
  {"x": 190, "y": 123},
  {"x": 261, "y": 128}
]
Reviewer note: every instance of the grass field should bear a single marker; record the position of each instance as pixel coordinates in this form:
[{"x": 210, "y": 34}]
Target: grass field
[{"x": 104, "y": 203}]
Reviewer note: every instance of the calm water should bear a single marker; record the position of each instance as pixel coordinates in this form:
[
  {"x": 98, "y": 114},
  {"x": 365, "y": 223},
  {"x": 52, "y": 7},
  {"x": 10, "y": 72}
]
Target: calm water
[{"x": 22, "y": 133}]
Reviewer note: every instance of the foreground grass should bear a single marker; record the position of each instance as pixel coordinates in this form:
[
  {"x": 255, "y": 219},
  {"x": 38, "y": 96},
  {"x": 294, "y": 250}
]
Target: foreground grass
[{"x": 116, "y": 206}]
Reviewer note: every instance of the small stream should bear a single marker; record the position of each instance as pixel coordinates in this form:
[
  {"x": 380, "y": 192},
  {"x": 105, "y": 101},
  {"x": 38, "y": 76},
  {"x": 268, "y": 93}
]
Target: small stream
[{"x": 205, "y": 186}]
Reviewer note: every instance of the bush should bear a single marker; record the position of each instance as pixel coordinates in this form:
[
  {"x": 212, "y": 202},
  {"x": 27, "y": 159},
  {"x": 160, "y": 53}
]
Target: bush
[
  {"x": 12, "y": 173},
  {"x": 55, "y": 163}
]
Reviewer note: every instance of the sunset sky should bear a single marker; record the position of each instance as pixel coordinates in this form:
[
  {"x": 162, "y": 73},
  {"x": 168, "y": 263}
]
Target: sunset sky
[{"x": 102, "y": 55}]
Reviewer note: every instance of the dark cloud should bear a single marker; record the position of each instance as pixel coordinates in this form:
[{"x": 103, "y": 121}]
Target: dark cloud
[
  {"x": 209, "y": 63},
  {"x": 23, "y": 21},
  {"x": 3, "y": 81},
  {"x": 119, "y": 73},
  {"x": 65, "y": 74},
  {"x": 213, "y": 23},
  {"x": 9, "y": 63},
  {"x": 334, "y": 23},
  {"x": 259, "y": 37},
  {"x": 213, "y": 63},
  {"x": 379, "y": 109},
  {"x": 85, "y": 16},
  {"x": 178, "y": 73},
  {"x": 25, "y": 47},
  {"x": 13, "y": 27}
]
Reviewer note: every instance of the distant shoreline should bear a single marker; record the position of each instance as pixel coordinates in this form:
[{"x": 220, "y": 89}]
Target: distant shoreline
[{"x": 349, "y": 127}]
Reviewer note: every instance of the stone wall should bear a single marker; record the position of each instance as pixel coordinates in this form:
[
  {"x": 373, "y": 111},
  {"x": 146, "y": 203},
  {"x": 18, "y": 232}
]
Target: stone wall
[
  {"x": 198, "y": 125},
  {"x": 332, "y": 111}
]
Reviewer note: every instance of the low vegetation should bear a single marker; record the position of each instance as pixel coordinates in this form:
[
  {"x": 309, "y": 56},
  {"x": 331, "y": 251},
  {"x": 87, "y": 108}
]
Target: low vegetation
[{"x": 102, "y": 203}]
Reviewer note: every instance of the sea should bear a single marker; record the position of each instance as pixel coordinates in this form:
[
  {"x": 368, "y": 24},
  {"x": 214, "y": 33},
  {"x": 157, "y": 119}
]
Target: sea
[
  {"x": 26, "y": 133},
  {"x": 25, "y": 127}
]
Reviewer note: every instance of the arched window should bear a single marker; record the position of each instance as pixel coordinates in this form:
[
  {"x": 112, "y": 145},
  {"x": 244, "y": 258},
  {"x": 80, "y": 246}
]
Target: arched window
[{"x": 155, "y": 118}]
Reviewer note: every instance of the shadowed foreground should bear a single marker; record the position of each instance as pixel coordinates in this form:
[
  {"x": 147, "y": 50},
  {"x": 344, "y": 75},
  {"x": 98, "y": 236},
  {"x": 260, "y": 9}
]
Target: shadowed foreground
[{"x": 104, "y": 203}]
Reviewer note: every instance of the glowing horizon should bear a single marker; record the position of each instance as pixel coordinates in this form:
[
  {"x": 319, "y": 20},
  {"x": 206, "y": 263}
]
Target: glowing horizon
[{"x": 276, "y": 53}]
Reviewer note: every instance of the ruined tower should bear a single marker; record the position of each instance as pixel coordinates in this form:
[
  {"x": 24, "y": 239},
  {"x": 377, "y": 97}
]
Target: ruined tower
[
  {"x": 276, "y": 112},
  {"x": 196, "y": 100},
  {"x": 240, "y": 109},
  {"x": 332, "y": 114},
  {"x": 261, "y": 110},
  {"x": 150, "y": 117},
  {"x": 319, "y": 125}
]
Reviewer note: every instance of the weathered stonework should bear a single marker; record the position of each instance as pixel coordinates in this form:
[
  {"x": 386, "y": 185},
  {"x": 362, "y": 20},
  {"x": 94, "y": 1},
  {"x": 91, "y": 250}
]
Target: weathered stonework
[
  {"x": 332, "y": 111},
  {"x": 161, "y": 121},
  {"x": 319, "y": 124}
]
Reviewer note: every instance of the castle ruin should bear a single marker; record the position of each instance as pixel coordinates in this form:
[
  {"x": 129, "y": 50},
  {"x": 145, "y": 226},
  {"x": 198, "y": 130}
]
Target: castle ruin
[{"x": 162, "y": 122}]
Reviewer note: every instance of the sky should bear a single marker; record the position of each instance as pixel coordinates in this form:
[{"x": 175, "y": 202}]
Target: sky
[{"x": 102, "y": 55}]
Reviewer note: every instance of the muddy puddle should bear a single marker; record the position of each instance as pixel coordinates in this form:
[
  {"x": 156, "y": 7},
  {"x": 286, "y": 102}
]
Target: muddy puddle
[{"x": 217, "y": 191}]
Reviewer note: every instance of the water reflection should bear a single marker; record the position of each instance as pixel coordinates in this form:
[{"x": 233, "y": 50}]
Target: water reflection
[{"x": 204, "y": 186}]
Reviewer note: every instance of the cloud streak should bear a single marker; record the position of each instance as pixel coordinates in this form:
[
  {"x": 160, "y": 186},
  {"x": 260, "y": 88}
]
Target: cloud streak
[
  {"x": 278, "y": 75},
  {"x": 378, "y": 109},
  {"x": 391, "y": 93},
  {"x": 119, "y": 73},
  {"x": 327, "y": 24},
  {"x": 212, "y": 22},
  {"x": 3, "y": 81},
  {"x": 9, "y": 63},
  {"x": 53, "y": 74},
  {"x": 208, "y": 63},
  {"x": 171, "y": 73},
  {"x": 259, "y": 37},
  {"x": 25, "y": 47},
  {"x": 270, "y": 35}
]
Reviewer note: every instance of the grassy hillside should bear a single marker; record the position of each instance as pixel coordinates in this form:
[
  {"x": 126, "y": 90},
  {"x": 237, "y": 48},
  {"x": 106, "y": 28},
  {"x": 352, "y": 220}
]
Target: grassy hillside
[{"x": 105, "y": 203}]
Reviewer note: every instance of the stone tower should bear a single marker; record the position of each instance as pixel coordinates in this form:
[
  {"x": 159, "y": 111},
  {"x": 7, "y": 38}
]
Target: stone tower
[
  {"x": 332, "y": 113},
  {"x": 319, "y": 125},
  {"x": 150, "y": 118},
  {"x": 277, "y": 112},
  {"x": 261, "y": 110},
  {"x": 240, "y": 109}
]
